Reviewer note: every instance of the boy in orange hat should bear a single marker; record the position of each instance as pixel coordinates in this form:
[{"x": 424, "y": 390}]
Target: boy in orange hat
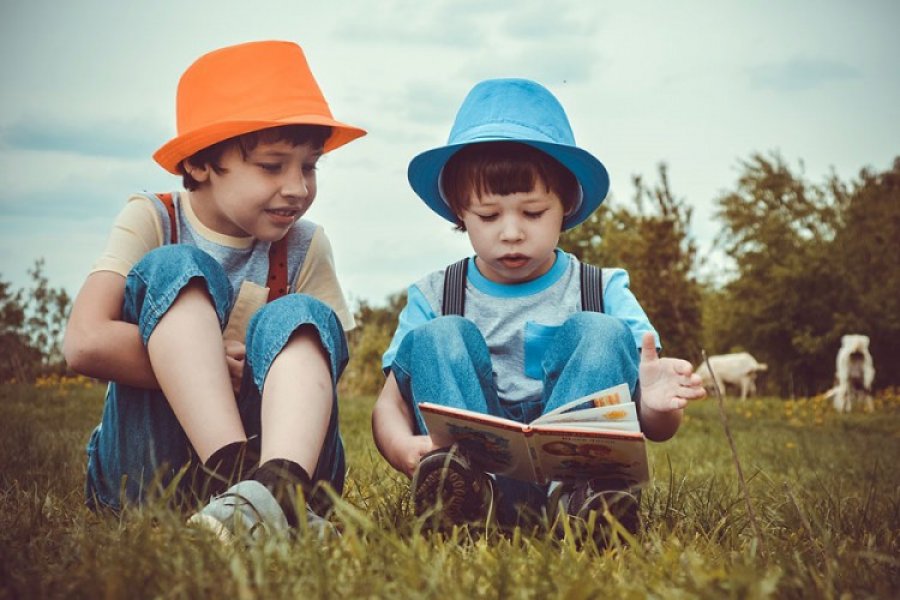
[{"x": 216, "y": 394}]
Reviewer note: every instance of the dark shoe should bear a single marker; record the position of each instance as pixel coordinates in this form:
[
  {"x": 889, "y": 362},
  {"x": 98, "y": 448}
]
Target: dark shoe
[
  {"x": 593, "y": 507},
  {"x": 448, "y": 491}
]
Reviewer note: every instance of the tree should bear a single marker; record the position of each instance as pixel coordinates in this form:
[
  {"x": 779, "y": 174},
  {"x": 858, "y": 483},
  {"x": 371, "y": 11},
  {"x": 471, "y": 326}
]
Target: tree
[
  {"x": 866, "y": 255},
  {"x": 31, "y": 327},
  {"x": 813, "y": 263},
  {"x": 47, "y": 310},
  {"x": 653, "y": 243},
  {"x": 777, "y": 228},
  {"x": 16, "y": 355},
  {"x": 367, "y": 343}
]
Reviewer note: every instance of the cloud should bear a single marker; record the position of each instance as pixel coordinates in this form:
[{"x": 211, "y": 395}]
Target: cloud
[
  {"x": 799, "y": 74},
  {"x": 466, "y": 25},
  {"x": 549, "y": 63},
  {"x": 49, "y": 207},
  {"x": 49, "y": 187},
  {"x": 428, "y": 104},
  {"x": 552, "y": 49},
  {"x": 533, "y": 22},
  {"x": 125, "y": 139},
  {"x": 408, "y": 22}
]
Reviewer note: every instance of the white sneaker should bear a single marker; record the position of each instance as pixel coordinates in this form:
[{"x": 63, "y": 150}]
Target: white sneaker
[{"x": 246, "y": 508}]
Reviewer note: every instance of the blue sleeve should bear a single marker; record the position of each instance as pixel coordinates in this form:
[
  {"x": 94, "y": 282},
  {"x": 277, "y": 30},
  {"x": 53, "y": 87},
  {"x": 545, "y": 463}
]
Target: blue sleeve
[
  {"x": 618, "y": 301},
  {"x": 416, "y": 312}
]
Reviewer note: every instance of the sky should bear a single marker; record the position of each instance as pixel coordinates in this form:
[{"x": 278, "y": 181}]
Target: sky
[{"x": 87, "y": 94}]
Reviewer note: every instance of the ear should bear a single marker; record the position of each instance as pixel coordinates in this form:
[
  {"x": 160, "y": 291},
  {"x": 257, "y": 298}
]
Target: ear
[
  {"x": 200, "y": 173},
  {"x": 576, "y": 203}
]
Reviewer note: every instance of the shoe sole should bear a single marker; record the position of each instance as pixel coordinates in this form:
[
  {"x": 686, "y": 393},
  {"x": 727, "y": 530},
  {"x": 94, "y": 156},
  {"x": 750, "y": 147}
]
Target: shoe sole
[
  {"x": 447, "y": 493},
  {"x": 444, "y": 490},
  {"x": 212, "y": 525}
]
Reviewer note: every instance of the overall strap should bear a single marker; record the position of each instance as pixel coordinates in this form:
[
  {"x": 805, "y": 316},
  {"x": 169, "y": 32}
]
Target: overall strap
[
  {"x": 169, "y": 203},
  {"x": 454, "y": 301},
  {"x": 277, "y": 279},
  {"x": 591, "y": 288},
  {"x": 278, "y": 270}
]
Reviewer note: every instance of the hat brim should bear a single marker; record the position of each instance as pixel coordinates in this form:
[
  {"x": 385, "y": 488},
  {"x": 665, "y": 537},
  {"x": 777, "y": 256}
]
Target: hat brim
[
  {"x": 425, "y": 169},
  {"x": 170, "y": 155}
]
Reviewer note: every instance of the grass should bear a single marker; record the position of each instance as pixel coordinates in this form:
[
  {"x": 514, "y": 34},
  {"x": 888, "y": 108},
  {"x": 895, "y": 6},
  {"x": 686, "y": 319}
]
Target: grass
[{"x": 824, "y": 487}]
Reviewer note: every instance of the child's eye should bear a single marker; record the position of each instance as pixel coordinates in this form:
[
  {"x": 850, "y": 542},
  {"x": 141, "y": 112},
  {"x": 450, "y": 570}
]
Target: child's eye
[
  {"x": 534, "y": 215},
  {"x": 311, "y": 168},
  {"x": 270, "y": 167},
  {"x": 487, "y": 218}
]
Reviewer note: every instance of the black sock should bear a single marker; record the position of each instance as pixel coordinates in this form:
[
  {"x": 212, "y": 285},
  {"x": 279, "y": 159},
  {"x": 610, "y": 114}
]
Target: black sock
[
  {"x": 225, "y": 467},
  {"x": 282, "y": 477}
]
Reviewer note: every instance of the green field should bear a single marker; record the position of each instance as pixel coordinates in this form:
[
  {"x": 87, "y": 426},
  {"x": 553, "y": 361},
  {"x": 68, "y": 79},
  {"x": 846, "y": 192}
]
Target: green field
[{"x": 825, "y": 489}]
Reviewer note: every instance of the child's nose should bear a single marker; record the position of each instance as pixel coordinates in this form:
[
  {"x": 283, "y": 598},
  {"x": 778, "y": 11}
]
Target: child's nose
[
  {"x": 511, "y": 231},
  {"x": 295, "y": 185}
]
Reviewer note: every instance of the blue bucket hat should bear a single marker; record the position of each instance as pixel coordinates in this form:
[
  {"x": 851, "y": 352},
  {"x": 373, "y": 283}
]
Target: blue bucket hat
[{"x": 512, "y": 110}]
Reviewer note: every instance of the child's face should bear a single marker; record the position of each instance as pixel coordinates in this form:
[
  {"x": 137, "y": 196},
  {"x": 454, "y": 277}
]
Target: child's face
[
  {"x": 515, "y": 235},
  {"x": 261, "y": 195}
]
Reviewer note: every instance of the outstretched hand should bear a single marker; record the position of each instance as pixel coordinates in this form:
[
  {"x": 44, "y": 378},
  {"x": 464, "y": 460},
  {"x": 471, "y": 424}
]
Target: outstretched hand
[{"x": 667, "y": 384}]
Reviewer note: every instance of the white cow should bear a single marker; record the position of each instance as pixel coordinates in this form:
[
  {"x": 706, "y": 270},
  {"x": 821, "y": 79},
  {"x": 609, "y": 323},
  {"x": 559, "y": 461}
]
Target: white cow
[
  {"x": 737, "y": 369},
  {"x": 854, "y": 373}
]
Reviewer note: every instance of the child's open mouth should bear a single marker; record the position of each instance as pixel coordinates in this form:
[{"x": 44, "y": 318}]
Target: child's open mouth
[
  {"x": 283, "y": 215},
  {"x": 514, "y": 261}
]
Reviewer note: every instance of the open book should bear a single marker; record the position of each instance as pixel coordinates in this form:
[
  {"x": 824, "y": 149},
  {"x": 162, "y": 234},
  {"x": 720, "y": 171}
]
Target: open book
[{"x": 594, "y": 437}]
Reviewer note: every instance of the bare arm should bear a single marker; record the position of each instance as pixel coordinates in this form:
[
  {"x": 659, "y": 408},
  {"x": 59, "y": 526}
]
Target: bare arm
[
  {"x": 98, "y": 343},
  {"x": 392, "y": 427}
]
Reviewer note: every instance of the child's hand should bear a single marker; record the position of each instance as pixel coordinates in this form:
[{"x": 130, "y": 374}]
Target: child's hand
[
  {"x": 235, "y": 352},
  {"x": 417, "y": 447},
  {"x": 667, "y": 384}
]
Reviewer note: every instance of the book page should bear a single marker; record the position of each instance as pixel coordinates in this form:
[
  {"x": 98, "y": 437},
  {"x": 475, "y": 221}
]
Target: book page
[
  {"x": 619, "y": 458},
  {"x": 494, "y": 444},
  {"x": 621, "y": 417},
  {"x": 618, "y": 394}
]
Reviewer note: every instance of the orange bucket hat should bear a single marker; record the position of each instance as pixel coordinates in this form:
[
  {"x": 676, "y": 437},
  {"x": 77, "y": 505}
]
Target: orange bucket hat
[{"x": 244, "y": 88}]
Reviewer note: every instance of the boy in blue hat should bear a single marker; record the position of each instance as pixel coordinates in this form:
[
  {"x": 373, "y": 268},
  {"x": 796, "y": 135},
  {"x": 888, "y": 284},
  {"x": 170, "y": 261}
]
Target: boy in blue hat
[{"x": 515, "y": 331}]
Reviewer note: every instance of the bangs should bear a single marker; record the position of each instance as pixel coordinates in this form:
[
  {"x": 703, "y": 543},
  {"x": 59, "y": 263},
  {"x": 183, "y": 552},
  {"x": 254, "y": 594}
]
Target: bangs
[
  {"x": 295, "y": 135},
  {"x": 502, "y": 178},
  {"x": 504, "y": 168}
]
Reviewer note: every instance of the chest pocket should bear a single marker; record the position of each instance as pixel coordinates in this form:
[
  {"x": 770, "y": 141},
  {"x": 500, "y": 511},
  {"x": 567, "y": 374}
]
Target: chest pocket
[
  {"x": 537, "y": 340},
  {"x": 537, "y": 337}
]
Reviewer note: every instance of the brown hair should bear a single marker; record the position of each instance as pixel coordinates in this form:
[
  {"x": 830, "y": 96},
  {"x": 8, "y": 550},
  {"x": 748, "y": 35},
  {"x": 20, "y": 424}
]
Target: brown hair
[
  {"x": 503, "y": 168},
  {"x": 296, "y": 135}
]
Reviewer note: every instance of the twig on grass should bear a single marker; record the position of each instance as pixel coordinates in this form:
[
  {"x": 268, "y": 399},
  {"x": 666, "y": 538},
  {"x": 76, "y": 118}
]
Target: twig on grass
[{"x": 734, "y": 455}]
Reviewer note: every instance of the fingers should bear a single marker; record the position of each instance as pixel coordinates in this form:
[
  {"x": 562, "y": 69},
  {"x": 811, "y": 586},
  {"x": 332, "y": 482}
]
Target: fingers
[
  {"x": 686, "y": 396},
  {"x": 235, "y": 349},
  {"x": 235, "y": 371},
  {"x": 426, "y": 445},
  {"x": 692, "y": 392},
  {"x": 421, "y": 445},
  {"x": 648, "y": 347},
  {"x": 235, "y": 365},
  {"x": 682, "y": 367},
  {"x": 678, "y": 403},
  {"x": 690, "y": 381}
]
